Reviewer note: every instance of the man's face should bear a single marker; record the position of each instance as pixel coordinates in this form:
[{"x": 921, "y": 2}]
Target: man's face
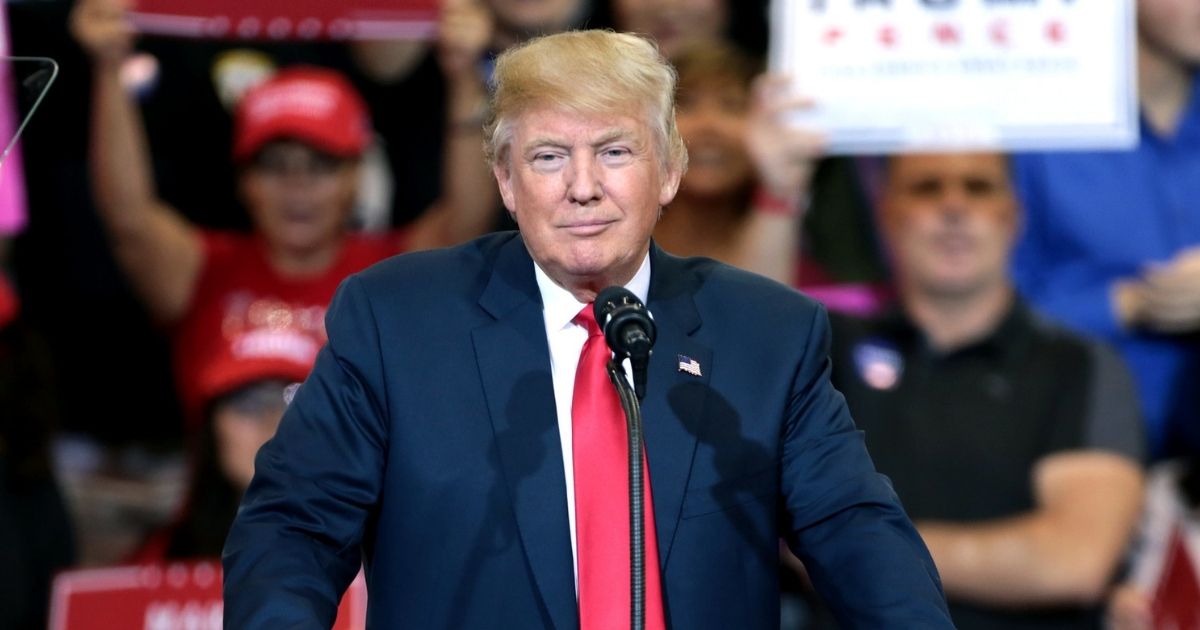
[
  {"x": 534, "y": 17},
  {"x": 674, "y": 24},
  {"x": 586, "y": 191},
  {"x": 242, "y": 423},
  {"x": 950, "y": 220},
  {"x": 712, "y": 120},
  {"x": 299, "y": 198},
  {"x": 1171, "y": 27}
]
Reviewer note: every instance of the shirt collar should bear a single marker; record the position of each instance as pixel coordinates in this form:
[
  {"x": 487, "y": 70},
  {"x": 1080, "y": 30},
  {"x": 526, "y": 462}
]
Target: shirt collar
[
  {"x": 1009, "y": 339},
  {"x": 561, "y": 306}
]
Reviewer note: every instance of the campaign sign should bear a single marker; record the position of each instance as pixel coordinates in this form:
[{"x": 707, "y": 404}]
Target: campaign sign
[
  {"x": 902, "y": 75},
  {"x": 288, "y": 19},
  {"x": 171, "y": 596}
]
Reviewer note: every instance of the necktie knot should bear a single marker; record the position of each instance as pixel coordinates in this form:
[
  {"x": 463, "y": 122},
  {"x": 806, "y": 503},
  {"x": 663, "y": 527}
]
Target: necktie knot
[{"x": 587, "y": 319}]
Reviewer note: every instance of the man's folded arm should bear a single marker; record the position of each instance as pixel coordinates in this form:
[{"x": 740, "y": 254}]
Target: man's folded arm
[
  {"x": 1087, "y": 495},
  {"x": 1063, "y": 552},
  {"x": 843, "y": 519},
  {"x": 296, "y": 543}
]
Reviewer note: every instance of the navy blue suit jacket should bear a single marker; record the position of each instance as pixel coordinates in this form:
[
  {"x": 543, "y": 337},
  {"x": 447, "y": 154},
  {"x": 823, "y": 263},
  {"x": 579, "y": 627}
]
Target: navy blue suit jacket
[{"x": 425, "y": 444}]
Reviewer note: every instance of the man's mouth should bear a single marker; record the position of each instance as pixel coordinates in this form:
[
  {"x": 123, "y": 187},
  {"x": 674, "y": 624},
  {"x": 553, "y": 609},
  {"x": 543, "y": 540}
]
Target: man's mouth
[
  {"x": 955, "y": 243},
  {"x": 587, "y": 227},
  {"x": 298, "y": 216}
]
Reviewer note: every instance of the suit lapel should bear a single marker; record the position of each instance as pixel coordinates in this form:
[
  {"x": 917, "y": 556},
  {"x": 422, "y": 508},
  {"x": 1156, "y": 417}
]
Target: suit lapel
[
  {"x": 514, "y": 367},
  {"x": 674, "y": 398}
]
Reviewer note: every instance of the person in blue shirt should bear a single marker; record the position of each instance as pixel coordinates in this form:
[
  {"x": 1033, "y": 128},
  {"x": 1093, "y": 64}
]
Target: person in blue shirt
[{"x": 1112, "y": 240}]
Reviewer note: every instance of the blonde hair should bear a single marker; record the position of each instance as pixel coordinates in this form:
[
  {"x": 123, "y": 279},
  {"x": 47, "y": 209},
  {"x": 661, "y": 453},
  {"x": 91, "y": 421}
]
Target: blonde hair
[{"x": 588, "y": 72}]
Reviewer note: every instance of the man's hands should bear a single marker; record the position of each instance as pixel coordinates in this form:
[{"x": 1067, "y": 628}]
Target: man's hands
[
  {"x": 1165, "y": 298},
  {"x": 1129, "y": 609},
  {"x": 783, "y": 155},
  {"x": 464, "y": 31},
  {"x": 103, "y": 29}
]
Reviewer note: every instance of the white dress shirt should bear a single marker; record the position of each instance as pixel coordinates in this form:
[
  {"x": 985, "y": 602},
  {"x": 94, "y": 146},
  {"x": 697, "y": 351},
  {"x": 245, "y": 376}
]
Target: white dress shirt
[{"x": 566, "y": 341}]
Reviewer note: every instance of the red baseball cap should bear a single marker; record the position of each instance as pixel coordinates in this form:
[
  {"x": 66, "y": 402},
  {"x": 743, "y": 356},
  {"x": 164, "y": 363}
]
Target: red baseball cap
[
  {"x": 316, "y": 106},
  {"x": 258, "y": 355}
]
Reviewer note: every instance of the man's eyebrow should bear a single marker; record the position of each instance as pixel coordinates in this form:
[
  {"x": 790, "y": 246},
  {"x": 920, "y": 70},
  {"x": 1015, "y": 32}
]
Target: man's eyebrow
[
  {"x": 611, "y": 135},
  {"x": 559, "y": 143},
  {"x": 544, "y": 141}
]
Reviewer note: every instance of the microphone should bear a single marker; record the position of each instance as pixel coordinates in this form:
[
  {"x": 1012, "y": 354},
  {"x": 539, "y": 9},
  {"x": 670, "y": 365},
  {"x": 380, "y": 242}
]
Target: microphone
[{"x": 629, "y": 330}]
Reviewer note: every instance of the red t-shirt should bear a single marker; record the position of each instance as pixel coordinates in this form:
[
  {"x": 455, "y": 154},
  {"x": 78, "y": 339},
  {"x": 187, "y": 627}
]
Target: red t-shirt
[
  {"x": 10, "y": 306},
  {"x": 245, "y": 317}
]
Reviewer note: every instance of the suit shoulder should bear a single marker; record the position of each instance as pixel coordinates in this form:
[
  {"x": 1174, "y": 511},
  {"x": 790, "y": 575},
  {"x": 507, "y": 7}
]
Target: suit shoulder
[
  {"x": 735, "y": 297},
  {"x": 725, "y": 281}
]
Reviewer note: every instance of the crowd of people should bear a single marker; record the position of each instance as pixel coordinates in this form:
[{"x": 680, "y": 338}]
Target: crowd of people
[{"x": 1021, "y": 346}]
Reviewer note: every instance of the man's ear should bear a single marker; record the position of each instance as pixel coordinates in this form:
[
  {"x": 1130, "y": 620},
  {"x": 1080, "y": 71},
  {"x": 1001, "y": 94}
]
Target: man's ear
[
  {"x": 670, "y": 184},
  {"x": 244, "y": 188},
  {"x": 885, "y": 215},
  {"x": 1016, "y": 220},
  {"x": 503, "y": 177}
]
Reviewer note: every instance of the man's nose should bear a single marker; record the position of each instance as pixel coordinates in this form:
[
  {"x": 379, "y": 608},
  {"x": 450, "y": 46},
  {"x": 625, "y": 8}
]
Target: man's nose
[
  {"x": 954, "y": 203},
  {"x": 584, "y": 184}
]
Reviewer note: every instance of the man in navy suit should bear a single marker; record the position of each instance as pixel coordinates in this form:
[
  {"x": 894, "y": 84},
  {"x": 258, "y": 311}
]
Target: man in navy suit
[{"x": 432, "y": 441}]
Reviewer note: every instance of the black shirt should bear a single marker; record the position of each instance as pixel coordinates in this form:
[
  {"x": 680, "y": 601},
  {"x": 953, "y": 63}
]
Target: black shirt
[{"x": 959, "y": 432}]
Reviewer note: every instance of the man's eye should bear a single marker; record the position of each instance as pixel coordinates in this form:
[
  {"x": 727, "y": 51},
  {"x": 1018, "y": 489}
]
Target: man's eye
[
  {"x": 926, "y": 188},
  {"x": 616, "y": 153},
  {"x": 981, "y": 187}
]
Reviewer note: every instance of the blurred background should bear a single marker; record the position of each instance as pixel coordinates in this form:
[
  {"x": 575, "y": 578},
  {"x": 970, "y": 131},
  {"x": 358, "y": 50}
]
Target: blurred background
[{"x": 1016, "y": 331}]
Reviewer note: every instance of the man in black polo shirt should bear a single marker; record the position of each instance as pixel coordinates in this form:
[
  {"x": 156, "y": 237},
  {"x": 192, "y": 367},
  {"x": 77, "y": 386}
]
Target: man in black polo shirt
[{"x": 1014, "y": 446}]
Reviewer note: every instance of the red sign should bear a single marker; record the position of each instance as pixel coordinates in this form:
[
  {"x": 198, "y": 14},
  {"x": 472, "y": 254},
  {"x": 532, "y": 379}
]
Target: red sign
[
  {"x": 1177, "y": 600},
  {"x": 162, "y": 597},
  {"x": 288, "y": 19}
]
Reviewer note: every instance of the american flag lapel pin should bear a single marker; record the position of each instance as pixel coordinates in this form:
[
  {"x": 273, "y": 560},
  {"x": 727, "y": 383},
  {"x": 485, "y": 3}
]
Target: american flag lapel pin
[{"x": 689, "y": 365}]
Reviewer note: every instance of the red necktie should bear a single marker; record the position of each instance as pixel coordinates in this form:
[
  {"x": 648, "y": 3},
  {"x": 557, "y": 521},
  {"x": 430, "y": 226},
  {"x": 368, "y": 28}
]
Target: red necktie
[{"x": 600, "y": 446}]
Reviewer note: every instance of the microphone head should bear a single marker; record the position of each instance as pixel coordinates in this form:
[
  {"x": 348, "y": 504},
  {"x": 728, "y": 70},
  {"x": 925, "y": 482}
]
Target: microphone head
[
  {"x": 608, "y": 300},
  {"x": 627, "y": 324}
]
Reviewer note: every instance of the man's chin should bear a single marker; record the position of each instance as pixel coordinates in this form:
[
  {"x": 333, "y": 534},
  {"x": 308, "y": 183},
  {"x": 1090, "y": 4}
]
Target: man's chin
[
  {"x": 954, "y": 286},
  {"x": 297, "y": 240},
  {"x": 586, "y": 272},
  {"x": 592, "y": 273}
]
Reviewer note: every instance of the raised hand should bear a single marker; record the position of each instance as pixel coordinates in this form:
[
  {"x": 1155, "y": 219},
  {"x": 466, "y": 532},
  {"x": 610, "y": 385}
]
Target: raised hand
[
  {"x": 103, "y": 29},
  {"x": 783, "y": 154},
  {"x": 464, "y": 31}
]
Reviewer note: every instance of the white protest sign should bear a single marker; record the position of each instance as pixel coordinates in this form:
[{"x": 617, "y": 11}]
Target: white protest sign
[{"x": 902, "y": 75}]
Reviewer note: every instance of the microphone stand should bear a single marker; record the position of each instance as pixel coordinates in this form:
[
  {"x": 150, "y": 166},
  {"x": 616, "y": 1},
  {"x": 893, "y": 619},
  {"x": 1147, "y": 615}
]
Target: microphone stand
[{"x": 637, "y": 536}]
